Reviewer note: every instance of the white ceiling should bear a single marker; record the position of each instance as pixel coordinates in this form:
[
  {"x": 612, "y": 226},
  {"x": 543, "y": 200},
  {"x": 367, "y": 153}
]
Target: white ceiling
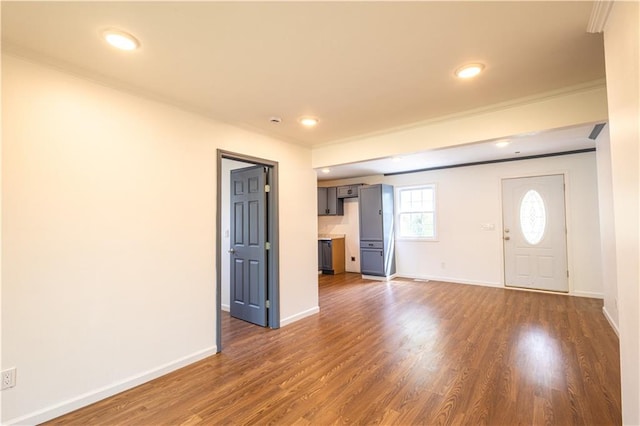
[
  {"x": 361, "y": 67},
  {"x": 540, "y": 143}
]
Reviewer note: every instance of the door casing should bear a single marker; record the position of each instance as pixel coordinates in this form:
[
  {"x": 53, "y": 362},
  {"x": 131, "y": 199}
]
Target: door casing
[{"x": 273, "y": 285}]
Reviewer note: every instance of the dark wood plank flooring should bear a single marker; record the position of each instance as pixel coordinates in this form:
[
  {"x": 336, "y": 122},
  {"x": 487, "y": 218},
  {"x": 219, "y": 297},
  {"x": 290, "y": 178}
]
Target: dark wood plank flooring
[{"x": 401, "y": 352}]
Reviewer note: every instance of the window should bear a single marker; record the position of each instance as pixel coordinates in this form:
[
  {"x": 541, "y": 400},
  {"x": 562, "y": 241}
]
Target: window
[{"x": 416, "y": 207}]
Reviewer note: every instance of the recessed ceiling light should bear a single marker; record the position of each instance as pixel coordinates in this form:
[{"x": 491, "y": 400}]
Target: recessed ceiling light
[
  {"x": 121, "y": 40},
  {"x": 470, "y": 70},
  {"x": 502, "y": 144},
  {"x": 325, "y": 171},
  {"x": 308, "y": 121},
  {"x": 396, "y": 159}
]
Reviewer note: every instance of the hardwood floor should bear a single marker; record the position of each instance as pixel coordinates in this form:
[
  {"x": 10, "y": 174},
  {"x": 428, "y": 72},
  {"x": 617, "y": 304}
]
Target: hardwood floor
[{"x": 402, "y": 352}]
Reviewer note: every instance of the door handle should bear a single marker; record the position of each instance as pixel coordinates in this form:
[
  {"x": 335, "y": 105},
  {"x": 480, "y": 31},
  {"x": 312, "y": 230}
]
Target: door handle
[
  {"x": 507, "y": 238},
  {"x": 232, "y": 251}
]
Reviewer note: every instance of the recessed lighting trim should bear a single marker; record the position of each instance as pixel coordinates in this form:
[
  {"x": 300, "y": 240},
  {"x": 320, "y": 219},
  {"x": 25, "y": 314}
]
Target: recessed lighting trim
[
  {"x": 325, "y": 171},
  {"x": 469, "y": 70},
  {"x": 121, "y": 40},
  {"x": 502, "y": 144},
  {"x": 308, "y": 121}
]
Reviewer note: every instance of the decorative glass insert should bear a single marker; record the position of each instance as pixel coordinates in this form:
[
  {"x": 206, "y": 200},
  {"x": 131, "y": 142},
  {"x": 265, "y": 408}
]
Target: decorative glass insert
[{"x": 533, "y": 217}]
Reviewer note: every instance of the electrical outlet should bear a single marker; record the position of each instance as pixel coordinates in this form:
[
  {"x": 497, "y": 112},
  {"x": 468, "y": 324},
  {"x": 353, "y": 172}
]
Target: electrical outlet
[{"x": 8, "y": 378}]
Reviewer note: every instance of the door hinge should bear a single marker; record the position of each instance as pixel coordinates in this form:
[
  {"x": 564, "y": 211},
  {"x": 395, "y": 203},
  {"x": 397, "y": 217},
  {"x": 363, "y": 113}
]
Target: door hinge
[
  {"x": 267, "y": 304},
  {"x": 267, "y": 246},
  {"x": 267, "y": 188}
]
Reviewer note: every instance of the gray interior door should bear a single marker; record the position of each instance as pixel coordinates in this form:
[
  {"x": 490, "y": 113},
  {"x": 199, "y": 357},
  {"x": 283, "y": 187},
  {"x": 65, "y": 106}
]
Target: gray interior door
[{"x": 248, "y": 293}]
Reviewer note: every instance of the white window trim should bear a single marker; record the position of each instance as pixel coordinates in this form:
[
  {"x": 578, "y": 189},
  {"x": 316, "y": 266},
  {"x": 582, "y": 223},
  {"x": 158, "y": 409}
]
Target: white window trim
[{"x": 397, "y": 212}]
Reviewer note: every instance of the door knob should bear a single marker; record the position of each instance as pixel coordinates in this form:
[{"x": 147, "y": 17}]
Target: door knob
[
  {"x": 507, "y": 238},
  {"x": 232, "y": 251}
]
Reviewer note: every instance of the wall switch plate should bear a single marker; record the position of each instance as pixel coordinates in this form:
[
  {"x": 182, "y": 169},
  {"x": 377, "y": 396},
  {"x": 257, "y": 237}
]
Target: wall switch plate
[{"x": 8, "y": 378}]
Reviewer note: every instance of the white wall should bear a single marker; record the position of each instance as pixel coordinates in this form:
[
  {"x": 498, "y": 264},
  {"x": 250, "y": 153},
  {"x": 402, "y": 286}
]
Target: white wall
[
  {"x": 108, "y": 222},
  {"x": 470, "y": 196},
  {"x": 607, "y": 228},
  {"x": 569, "y": 107},
  {"x": 622, "y": 58}
]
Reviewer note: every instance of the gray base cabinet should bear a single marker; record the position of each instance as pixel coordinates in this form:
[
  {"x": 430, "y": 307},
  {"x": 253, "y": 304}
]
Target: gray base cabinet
[
  {"x": 371, "y": 261},
  {"x": 331, "y": 256},
  {"x": 377, "y": 256}
]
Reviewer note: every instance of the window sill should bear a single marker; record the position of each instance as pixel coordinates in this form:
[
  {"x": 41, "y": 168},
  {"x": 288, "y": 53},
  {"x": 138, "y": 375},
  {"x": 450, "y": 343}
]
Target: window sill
[{"x": 418, "y": 240}]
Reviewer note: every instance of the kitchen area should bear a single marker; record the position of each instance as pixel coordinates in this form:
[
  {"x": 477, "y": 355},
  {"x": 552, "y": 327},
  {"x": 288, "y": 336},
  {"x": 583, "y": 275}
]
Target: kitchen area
[{"x": 355, "y": 230}]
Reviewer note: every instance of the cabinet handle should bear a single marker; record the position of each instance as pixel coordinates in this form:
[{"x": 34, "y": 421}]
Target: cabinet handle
[
  {"x": 380, "y": 252},
  {"x": 379, "y": 211}
]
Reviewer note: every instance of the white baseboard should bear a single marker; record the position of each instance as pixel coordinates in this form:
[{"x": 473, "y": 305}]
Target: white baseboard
[
  {"x": 377, "y": 278},
  {"x": 299, "y": 316},
  {"x": 96, "y": 395},
  {"x": 451, "y": 280},
  {"x": 589, "y": 294},
  {"x": 226, "y": 308},
  {"x": 611, "y": 322}
]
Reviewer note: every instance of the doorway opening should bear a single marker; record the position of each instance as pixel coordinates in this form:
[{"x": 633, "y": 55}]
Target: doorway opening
[{"x": 228, "y": 254}]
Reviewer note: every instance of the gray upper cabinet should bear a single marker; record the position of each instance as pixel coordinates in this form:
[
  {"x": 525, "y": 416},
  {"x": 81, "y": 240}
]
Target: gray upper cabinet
[
  {"x": 377, "y": 255},
  {"x": 350, "y": 191},
  {"x": 328, "y": 202}
]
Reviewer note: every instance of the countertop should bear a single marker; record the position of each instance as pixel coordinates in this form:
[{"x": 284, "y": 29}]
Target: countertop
[{"x": 328, "y": 237}]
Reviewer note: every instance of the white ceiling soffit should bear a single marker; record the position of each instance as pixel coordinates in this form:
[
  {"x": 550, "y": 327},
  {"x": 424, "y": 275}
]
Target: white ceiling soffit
[
  {"x": 599, "y": 15},
  {"x": 535, "y": 144},
  {"x": 360, "y": 67}
]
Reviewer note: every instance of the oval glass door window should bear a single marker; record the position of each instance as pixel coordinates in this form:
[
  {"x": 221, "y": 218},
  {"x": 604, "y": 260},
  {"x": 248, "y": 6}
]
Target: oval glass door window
[{"x": 533, "y": 217}]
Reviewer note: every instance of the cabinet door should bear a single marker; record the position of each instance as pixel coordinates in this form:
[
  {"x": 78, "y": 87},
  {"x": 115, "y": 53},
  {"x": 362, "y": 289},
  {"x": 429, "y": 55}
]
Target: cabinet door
[
  {"x": 334, "y": 205},
  {"x": 327, "y": 260},
  {"x": 348, "y": 191},
  {"x": 370, "y": 213},
  {"x": 372, "y": 261},
  {"x": 322, "y": 201}
]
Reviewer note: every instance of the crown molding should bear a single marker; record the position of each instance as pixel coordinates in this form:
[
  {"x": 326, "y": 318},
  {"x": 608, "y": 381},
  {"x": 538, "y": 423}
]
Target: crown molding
[{"x": 599, "y": 16}]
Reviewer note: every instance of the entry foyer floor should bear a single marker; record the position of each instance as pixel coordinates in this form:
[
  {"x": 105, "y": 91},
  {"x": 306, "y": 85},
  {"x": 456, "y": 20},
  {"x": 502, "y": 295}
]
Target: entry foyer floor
[{"x": 401, "y": 352}]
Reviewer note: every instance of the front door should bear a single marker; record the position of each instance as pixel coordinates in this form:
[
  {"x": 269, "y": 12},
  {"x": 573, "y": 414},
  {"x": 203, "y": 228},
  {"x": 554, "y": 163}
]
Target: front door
[
  {"x": 248, "y": 293},
  {"x": 534, "y": 233}
]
